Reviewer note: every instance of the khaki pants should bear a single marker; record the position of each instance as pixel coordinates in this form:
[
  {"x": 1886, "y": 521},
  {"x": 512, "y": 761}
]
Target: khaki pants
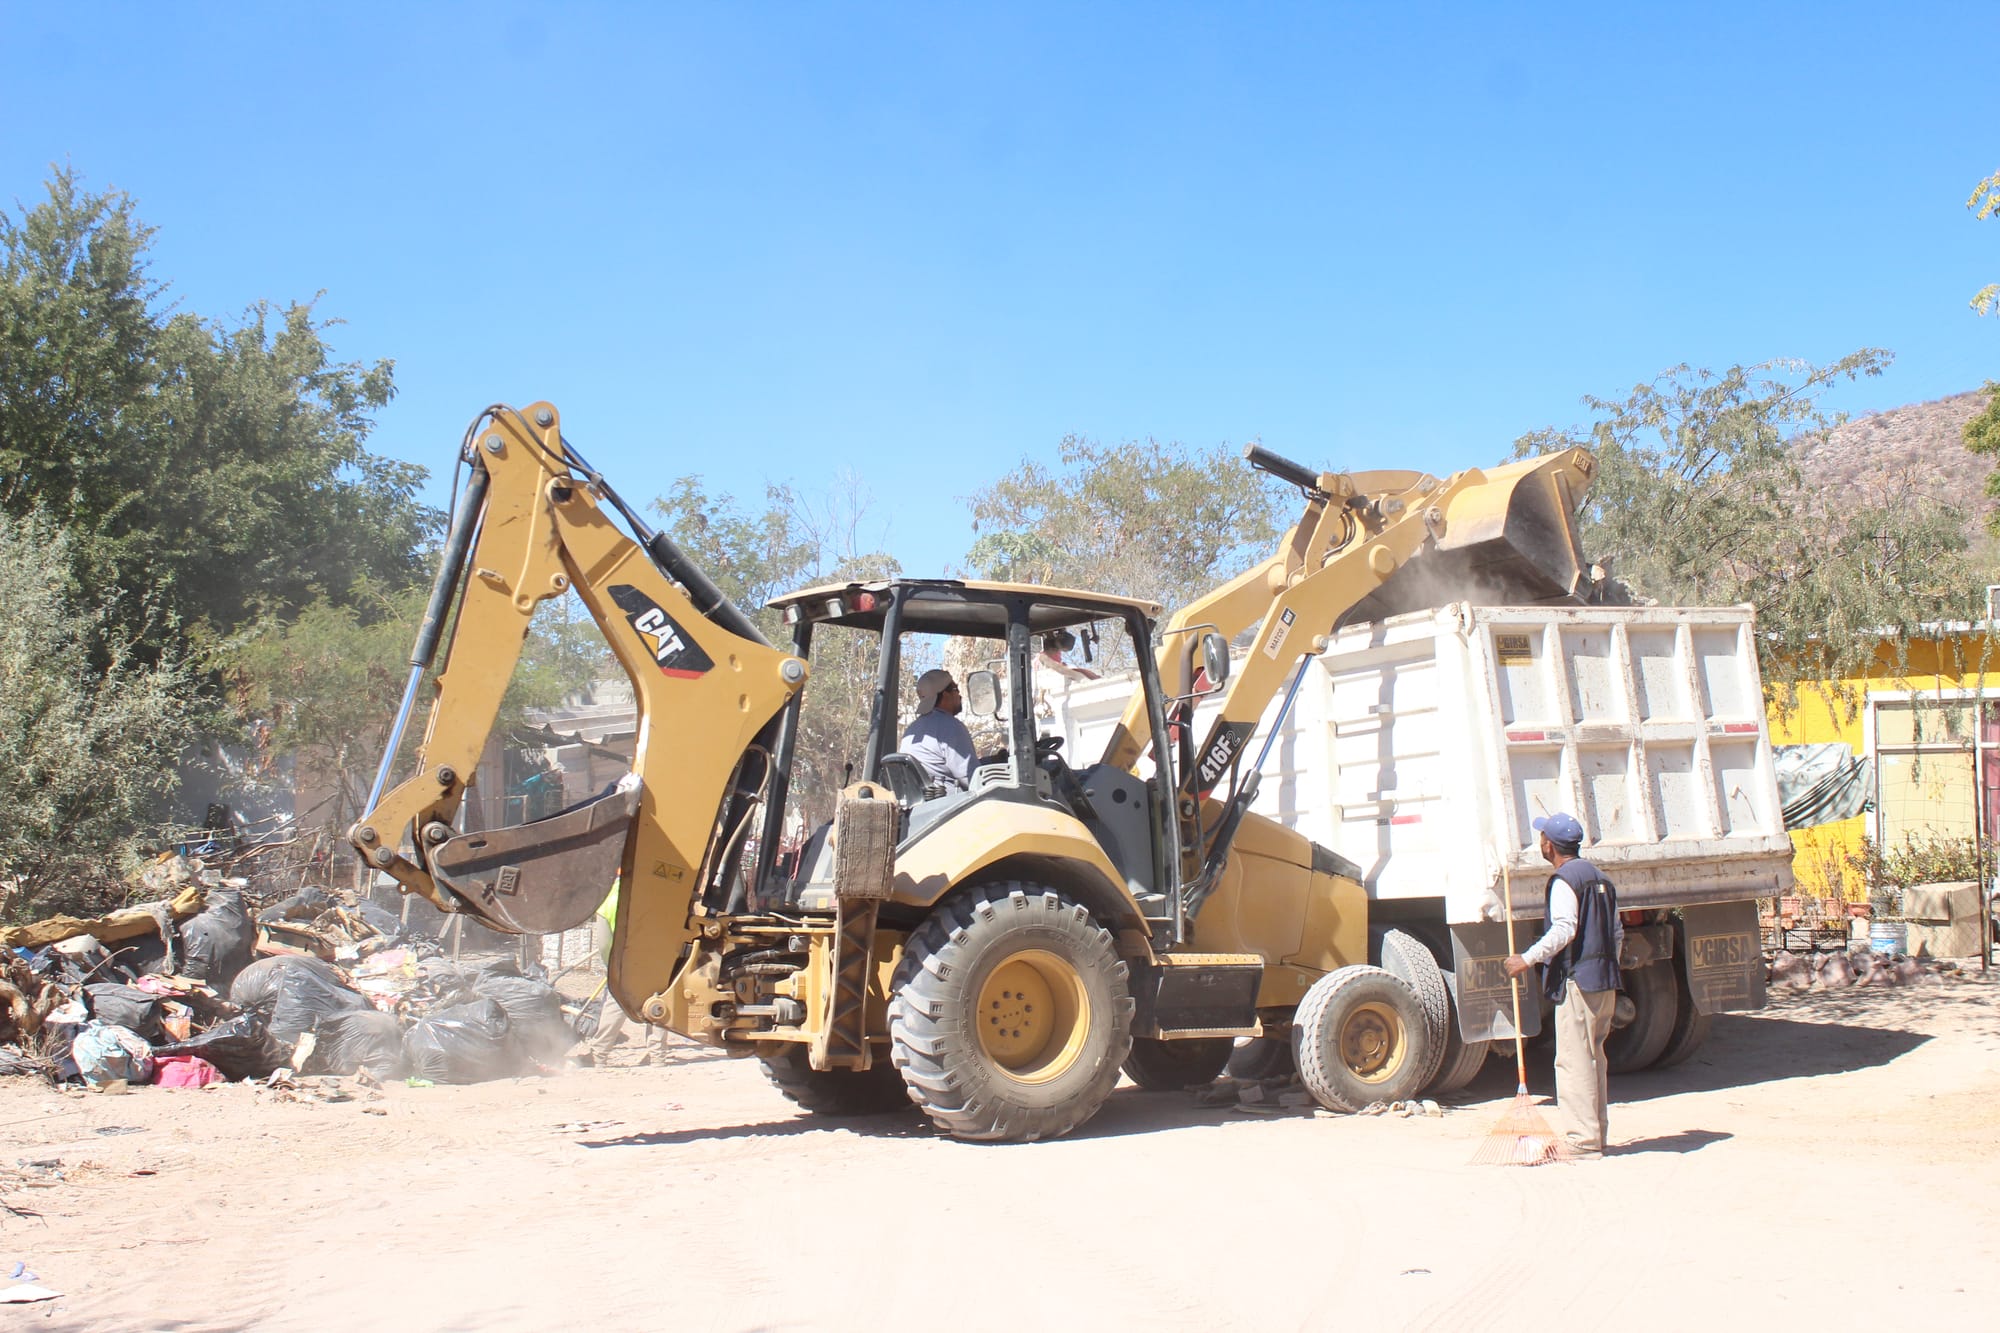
[
  {"x": 1583, "y": 1021},
  {"x": 614, "y": 1029}
]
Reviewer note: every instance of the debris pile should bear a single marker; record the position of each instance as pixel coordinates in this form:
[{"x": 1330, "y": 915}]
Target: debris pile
[
  {"x": 201, "y": 988},
  {"x": 1855, "y": 967}
]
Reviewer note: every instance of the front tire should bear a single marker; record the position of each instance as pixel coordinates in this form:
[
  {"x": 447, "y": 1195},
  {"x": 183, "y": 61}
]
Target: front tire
[
  {"x": 1170, "y": 1066},
  {"x": 1360, "y": 1037},
  {"x": 1011, "y": 1015}
]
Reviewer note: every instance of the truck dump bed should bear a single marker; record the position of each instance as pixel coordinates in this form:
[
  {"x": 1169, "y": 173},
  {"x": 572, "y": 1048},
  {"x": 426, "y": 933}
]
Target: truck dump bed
[{"x": 1420, "y": 747}]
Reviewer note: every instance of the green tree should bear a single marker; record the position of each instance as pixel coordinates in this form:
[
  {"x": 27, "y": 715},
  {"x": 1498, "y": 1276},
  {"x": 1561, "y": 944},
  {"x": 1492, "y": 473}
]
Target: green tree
[
  {"x": 795, "y": 540},
  {"x": 208, "y": 473},
  {"x": 1164, "y": 521},
  {"x": 89, "y": 731},
  {"x": 1699, "y": 501}
]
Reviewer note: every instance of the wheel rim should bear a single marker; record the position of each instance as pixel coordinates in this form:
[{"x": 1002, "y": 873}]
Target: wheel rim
[
  {"x": 1373, "y": 1043},
  {"x": 1033, "y": 1016}
]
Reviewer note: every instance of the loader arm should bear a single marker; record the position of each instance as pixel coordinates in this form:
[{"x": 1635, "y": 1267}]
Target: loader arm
[
  {"x": 533, "y": 527},
  {"x": 1367, "y": 545}
]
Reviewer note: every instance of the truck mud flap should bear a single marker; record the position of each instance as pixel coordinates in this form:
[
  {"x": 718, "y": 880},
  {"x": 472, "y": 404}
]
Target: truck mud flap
[
  {"x": 1723, "y": 958},
  {"x": 539, "y": 878},
  {"x": 1481, "y": 988}
]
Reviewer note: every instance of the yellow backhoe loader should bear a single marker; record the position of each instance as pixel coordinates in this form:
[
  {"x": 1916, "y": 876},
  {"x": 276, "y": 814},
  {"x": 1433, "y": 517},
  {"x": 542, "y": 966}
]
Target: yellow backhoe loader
[{"x": 996, "y": 954}]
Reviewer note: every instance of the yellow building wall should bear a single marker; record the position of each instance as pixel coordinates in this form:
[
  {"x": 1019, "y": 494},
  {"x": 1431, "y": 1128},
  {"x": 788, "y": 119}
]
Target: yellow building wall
[{"x": 1833, "y": 711}]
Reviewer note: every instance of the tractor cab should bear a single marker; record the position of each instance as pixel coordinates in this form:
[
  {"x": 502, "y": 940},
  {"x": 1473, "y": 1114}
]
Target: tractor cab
[{"x": 1014, "y": 651}]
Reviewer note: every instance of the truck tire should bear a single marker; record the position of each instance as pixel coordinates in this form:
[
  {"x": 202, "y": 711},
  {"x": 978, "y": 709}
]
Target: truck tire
[
  {"x": 876, "y": 1090},
  {"x": 1461, "y": 1060},
  {"x": 1404, "y": 957},
  {"x": 1359, "y": 1037},
  {"x": 1011, "y": 1013},
  {"x": 1170, "y": 1066},
  {"x": 1260, "y": 1058},
  {"x": 1690, "y": 1024},
  {"x": 1639, "y": 1043}
]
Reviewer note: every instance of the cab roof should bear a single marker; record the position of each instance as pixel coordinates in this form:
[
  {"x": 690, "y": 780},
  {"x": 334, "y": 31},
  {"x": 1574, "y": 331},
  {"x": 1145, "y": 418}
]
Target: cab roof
[{"x": 966, "y": 607}]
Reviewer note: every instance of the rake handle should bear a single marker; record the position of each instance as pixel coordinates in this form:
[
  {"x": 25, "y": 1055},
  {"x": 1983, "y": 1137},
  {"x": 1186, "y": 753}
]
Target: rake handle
[{"x": 1520, "y": 1050}]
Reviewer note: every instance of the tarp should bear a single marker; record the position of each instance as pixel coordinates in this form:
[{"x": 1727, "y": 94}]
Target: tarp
[
  {"x": 119, "y": 925},
  {"x": 1818, "y": 784}
]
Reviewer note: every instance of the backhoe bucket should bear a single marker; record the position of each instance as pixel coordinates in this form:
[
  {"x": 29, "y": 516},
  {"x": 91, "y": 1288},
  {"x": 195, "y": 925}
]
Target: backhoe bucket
[
  {"x": 1508, "y": 540},
  {"x": 544, "y": 877}
]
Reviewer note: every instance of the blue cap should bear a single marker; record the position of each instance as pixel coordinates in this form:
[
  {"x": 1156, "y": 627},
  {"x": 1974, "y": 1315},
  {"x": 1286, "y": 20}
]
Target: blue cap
[{"x": 1560, "y": 828}]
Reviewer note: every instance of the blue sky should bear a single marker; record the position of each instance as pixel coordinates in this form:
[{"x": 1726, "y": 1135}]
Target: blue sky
[{"x": 916, "y": 244}]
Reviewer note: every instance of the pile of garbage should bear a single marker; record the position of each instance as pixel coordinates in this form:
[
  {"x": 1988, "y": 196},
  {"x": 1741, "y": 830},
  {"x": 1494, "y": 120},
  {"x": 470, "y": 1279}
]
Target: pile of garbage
[
  {"x": 205, "y": 987},
  {"x": 1855, "y": 967}
]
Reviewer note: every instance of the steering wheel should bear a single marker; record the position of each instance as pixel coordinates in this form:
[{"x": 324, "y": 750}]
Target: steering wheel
[{"x": 1046, "y": 745}]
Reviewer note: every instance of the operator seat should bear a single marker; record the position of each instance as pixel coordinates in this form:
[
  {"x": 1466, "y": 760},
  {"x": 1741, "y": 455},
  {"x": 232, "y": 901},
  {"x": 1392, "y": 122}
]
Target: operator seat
[{"x": 906, "y": 777}]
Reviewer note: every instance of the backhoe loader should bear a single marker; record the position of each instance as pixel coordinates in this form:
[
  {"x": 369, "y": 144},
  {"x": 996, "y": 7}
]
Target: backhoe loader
[{"x": 994, "y": 955}]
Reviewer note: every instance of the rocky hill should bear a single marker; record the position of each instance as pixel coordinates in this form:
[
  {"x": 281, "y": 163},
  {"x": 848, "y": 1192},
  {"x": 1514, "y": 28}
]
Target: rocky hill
[{"x": 1916, "y": 449}]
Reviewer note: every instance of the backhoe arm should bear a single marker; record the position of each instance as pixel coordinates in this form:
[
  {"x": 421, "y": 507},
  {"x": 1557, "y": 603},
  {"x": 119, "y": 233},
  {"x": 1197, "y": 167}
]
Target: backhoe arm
[
  {"x": 1368, "y": 545},
  {"x": 532, "y": 528}
]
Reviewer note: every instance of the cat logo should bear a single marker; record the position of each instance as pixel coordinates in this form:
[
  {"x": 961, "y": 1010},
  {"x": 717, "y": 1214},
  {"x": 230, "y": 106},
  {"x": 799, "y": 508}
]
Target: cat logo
[{"x": 675, "y": 653}]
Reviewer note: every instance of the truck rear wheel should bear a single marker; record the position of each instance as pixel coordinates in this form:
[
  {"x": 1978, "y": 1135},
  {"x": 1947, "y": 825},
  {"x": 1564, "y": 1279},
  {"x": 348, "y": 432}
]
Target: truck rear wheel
[
  {"x": 1690, "y": 1024},
  {"x": 1404, "y": 957},
  {"x": 876, "y": 1090},
  {"x": 1360, "y": 1038},
  {"x": 1639, "y": 1043},
  {"x": 1011, "y": 1015},
  {"x": 1461, "y": 1060},
  {"x": 1169, "y": 1066},
  {"x": 1260, "y": 1058}
]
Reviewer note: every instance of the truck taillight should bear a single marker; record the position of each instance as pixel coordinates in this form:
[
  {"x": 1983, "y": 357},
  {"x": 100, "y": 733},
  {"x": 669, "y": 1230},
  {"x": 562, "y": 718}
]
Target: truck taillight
[{"x": 1633, "y": 917}]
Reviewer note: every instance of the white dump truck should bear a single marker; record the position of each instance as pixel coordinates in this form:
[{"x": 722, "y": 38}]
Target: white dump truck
[{"x": 1420, "y": 748}]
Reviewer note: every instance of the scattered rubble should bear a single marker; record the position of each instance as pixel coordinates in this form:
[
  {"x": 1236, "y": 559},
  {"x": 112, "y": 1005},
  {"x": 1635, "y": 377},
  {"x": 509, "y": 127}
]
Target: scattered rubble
[
  {"x": 1854, "y": 967},
  {"x": 203, "y": 987},
  {"x": 1277, "y": 1096}
]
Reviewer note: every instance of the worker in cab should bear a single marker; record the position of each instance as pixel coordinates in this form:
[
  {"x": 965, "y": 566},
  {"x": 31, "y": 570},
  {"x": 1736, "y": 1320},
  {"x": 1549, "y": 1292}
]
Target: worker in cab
[{"x": 935, "y": 737}]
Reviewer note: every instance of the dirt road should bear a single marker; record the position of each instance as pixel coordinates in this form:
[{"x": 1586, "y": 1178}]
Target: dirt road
[{"x": 1836, "y": 1153}]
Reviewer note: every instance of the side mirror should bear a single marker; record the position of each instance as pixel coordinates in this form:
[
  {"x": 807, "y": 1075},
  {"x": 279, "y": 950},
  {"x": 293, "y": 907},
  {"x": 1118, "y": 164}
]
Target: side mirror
[
  {"x": 982, "y": 693},
  {"x": 1215, "y": 659}
]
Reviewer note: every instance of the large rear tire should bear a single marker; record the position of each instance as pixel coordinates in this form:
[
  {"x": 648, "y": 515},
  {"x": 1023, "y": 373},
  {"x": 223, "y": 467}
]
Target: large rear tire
[
  {"x": 1404, "y": 957},
  {"x": 1011, "y": 1015},
  {"x": 1639, "y": 1043},
  {"x": 1360, "y": 1037},
  {"x": 1690, "y": 1024},
  {"x": 1170, "y": 1066},
  {"x": 876, "y": 1090}
]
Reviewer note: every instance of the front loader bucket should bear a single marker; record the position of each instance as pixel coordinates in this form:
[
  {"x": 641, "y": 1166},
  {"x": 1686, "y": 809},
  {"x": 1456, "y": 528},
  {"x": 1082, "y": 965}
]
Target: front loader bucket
[
  {"x": 1509, "y": 539},
  {"x": 544, "y": 877}
]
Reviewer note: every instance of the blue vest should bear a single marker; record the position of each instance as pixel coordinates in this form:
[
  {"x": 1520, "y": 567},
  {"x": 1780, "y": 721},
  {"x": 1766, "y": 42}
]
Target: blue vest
[{"x": 1592, "y": 956}]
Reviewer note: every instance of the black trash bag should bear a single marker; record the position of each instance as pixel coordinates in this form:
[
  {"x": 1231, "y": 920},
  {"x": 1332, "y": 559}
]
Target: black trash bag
[
  {"x": 293, "y": 994},
  {"x": 465, "y": 1043},
  {"x": 354, "y": 1041},
  {"x": 535, "y": 1019},
  {"x": 241, "y": 1047},
  {"x": 304, "y": 905},
  {"x": 444, "y": 982},
  {"x": 125, "y": 1007},
  {"x": 216, "y": 943},
  {"x": 135, "y": 957}
]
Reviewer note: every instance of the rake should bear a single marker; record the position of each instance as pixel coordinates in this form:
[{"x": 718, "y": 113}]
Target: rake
[{"x": 1521, "y": 1137}]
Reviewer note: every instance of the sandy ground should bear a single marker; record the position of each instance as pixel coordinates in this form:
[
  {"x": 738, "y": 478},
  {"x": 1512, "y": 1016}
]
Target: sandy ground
[{"x": 1836, "y": 1156}]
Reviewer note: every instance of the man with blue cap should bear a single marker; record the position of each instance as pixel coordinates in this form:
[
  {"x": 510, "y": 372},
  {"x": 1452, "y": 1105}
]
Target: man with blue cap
[{"x": 1579, "y": 956}]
